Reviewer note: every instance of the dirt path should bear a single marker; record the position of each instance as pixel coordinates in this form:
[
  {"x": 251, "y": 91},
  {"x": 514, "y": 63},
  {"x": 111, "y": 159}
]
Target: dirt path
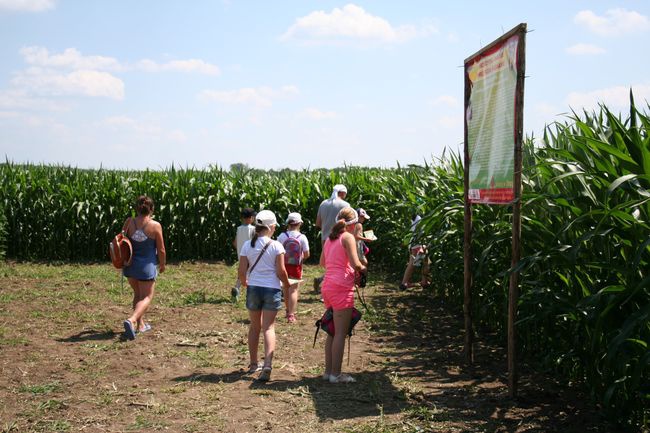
[{"x": 64, "y": 365}]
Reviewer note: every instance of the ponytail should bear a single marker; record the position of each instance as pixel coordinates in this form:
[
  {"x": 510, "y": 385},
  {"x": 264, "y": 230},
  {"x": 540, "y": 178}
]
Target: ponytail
[
  {"x": 338, "y": 228},
  {"x": 258, "y": 230}
]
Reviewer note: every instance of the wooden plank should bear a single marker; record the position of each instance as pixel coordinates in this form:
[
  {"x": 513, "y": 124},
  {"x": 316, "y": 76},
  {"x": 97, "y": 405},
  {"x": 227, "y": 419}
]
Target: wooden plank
[{"x": 513, "y": 289}]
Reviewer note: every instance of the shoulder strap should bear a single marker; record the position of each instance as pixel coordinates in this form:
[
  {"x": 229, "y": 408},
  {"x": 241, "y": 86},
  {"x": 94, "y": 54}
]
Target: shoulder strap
[{"x": 260, "y": 256}]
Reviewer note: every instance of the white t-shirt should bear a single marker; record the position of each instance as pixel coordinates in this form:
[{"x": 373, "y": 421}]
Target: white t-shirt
[
  {"x": 244, "y": 233},
  {"x": 415, "y": 241},
  {"x": 304, "y": 243},
  {"x": 264, "y": 274}
]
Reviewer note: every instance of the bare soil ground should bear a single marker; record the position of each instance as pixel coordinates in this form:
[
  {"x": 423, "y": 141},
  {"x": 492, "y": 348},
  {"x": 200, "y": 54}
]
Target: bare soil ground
[{"x": 65, "y": 366}]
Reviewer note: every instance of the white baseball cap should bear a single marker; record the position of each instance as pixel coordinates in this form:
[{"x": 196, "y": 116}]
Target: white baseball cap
[
  {"x": 265, "y": 218},
  {"x": 294, "y": 218},
  {"x": 363, "y": 213}
]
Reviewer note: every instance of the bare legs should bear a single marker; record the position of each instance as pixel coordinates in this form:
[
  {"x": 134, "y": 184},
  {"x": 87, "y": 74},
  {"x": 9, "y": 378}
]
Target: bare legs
[
  {"x": 335, "y": 346},
  {"x": 142, "y": 296},
  {"x": 261, "y": 321},
  {"x": 410, "y": 267},
  {"x": 291, "y": 300}
]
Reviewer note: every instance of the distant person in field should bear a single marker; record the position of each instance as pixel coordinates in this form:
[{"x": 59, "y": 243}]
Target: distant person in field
[
  {"x": 417, "y": 256},
  {"x": 146, "y": 236},
  {"x": 362, "y": 248},
  {"x": 296, "y": 247},
  {"x": 341, "y": 264},
  {"x": 262, "y": 271},
  {"x": 244, "y": 233},
  {"x": 326, "y": 218}
]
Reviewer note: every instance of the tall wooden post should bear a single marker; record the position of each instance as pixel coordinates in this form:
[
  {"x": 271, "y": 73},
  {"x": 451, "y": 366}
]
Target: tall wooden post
[
  {"x": 467, "y": 245},
  {"x": 513, "y": 290}
]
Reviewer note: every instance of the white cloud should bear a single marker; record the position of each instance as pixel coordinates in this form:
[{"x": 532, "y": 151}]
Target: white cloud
[
  {"x": 617, "y": 97},
  {"x": 20, "y": 100},
  {"x": 585, "y": 49},
  {"x": 316, "y": 114},
  {"x": 445, "y": 100},
  {"x": 71, "y": 58},
  {"x": 615, "y": 22},
  {"x": 27, "y": 5},
  {"x": 76, "y": 83},
  {"x": 190, "y": 65},
  {"x": 261, "y": 97},
  {"x": 351, "y": 23}
]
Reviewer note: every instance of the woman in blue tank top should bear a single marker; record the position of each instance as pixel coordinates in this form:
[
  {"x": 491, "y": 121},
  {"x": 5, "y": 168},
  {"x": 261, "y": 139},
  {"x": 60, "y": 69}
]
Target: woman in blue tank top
[{"x": 148, "y": 251}]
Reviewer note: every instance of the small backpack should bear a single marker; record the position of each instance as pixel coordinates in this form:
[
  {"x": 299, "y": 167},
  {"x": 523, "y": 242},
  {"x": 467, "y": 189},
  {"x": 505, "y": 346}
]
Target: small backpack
[
  {"x": 293, "y": 256},
  {"x": 326, "y": 323},
  {"x": 121, "y": 251}
]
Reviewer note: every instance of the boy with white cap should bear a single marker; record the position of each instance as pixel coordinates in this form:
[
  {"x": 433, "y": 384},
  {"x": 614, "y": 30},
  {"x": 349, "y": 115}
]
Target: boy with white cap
[
  {"x": 296, "y": 248},
  {"x": 326, "y": 217}
]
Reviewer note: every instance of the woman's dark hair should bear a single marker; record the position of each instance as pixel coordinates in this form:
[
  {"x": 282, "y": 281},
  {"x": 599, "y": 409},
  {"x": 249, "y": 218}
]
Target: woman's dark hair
[
  {"x": 144, "y": 205},
  {"x": 345, "y": 215},
  {"x": 248, "y": 212}
]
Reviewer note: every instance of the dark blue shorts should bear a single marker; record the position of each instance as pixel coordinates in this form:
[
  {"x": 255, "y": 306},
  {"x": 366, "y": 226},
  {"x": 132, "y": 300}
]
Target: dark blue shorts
[{"x": 263, "y": 298}]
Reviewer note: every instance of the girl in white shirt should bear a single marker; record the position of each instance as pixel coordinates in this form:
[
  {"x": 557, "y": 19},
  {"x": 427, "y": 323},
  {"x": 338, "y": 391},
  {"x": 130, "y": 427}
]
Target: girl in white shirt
[{"x": 262, "y": 271}]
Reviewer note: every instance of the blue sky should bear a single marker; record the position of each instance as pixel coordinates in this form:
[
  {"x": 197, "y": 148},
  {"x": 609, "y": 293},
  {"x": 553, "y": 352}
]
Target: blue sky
[{"x": 299, "y": 84}]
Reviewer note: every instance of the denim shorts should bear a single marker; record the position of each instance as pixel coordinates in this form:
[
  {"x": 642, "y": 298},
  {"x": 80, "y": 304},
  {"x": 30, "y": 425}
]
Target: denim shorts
[{"x": 263, "y": 298}]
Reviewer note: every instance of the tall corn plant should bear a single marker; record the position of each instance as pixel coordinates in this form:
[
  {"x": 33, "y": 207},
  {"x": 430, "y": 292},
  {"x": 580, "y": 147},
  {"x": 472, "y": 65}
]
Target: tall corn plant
[
  {"x": 585, "y": 301},
  {"x": 587, "y": 257}
]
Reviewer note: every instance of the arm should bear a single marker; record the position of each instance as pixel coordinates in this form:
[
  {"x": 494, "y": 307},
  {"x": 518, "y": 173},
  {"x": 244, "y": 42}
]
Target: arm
[
  {"x": 242, "y": 270},
  {"x": 358, "y": 233},
  {"x": 305, "y": 247},
  {"x": 347, "y": 239},
  {"x": 281, "y": 271},
  {"x": 322, "y": 257},
  {"x": 318, "y": 222},
  {"x": 160, "y": 248},
  {"x": 125, "y": 226}
]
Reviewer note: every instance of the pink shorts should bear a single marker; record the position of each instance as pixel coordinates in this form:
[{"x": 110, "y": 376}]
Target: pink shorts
[{"x": 339, "y": 298}]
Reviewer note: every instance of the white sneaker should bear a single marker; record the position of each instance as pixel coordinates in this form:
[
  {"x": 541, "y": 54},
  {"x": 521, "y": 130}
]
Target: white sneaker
[{"x": 342, "y": 378}]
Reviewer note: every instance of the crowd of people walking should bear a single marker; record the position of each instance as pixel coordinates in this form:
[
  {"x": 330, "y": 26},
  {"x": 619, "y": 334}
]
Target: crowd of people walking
[{"x": 271, "y": 272}]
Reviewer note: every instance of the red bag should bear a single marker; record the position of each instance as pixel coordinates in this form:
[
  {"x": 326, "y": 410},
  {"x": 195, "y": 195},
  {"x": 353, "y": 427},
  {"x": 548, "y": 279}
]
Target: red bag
[{"x": 121, "y": 251}]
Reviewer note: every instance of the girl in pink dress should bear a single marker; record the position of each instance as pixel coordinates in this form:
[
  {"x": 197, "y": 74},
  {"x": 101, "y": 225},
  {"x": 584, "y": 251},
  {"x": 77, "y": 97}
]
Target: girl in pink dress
[{"x": 340, "y": 260}]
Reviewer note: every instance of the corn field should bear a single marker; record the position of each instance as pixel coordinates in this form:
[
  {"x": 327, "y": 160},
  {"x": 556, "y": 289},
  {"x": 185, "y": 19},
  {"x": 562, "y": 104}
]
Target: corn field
[
  {"x": 584, "y": 310},
  {"x": 63, "y": 213}
]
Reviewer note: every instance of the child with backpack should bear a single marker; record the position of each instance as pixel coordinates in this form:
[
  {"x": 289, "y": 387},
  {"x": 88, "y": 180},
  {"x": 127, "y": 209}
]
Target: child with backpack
[{"x": 296, "y": 248}]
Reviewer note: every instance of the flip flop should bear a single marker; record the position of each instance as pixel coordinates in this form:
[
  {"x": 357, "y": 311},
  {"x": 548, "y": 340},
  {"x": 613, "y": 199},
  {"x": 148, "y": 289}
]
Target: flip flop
[
  {"x": 147, "y": 327},
  {"x": 128, "y": 330}
]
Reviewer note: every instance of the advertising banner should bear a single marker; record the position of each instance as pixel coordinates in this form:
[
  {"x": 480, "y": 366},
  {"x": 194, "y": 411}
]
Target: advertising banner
[{"x": 491, "y": 121}]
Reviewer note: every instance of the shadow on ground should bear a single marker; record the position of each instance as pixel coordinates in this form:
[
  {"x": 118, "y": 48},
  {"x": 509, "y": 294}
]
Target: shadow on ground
[
  {"x": 423, "y": 343},
  {"x": 88, "y": 335},
  {"x": 372, "y": 395}
]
